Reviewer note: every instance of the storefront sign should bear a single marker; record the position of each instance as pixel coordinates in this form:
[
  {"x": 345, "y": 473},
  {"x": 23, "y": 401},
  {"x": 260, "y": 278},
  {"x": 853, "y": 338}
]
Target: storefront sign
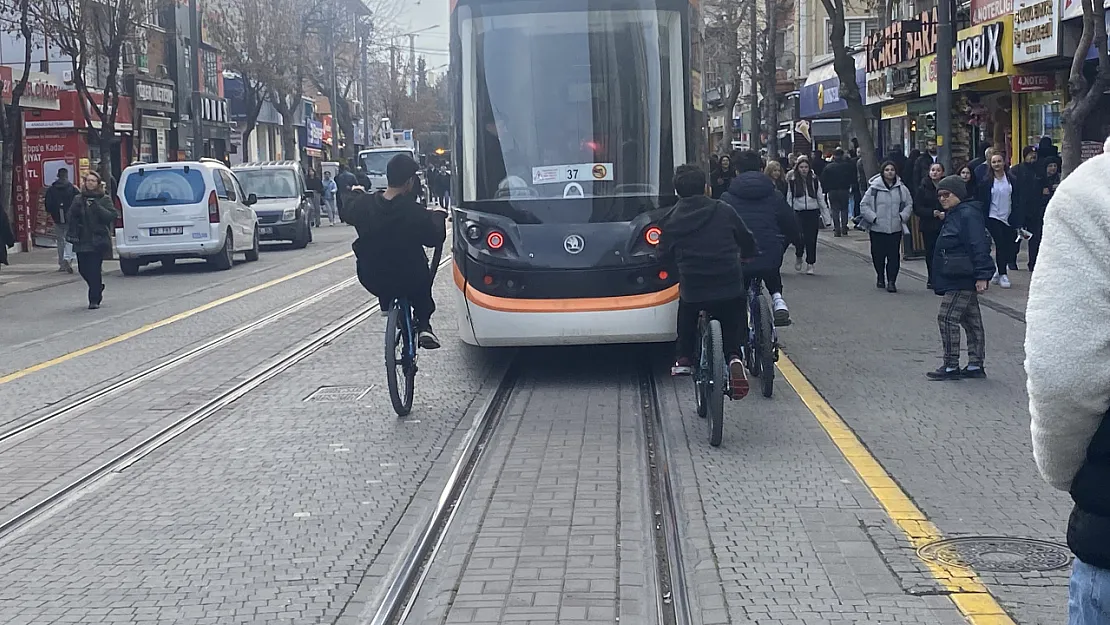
[
  {"x": 903, "y": 80},
  {"x": 42, "y": 92},
  {"x": 985, "y": 51},
  {"x": 927, "y": 75},
  {"x": 1071, "y": 9},
  {"x": 6, "y": 78},
  {"x": 1036, "y": 29},
  {"x": 326, "y": 136},
  {"x": 315, "y": 134},
  {"x": 1089, "y": 150},
  {"x": 894, "y": 111},
  {"x": 986, "y": 10},
  {"x": 154, "y": 96},
  {"x": 43, "y": 155},
  {"x": 902, "y": 41},
  {"x": 1032, "y": 82},
  {"x": 878, "y": 87},
  {"x": 820, "y": 95}
]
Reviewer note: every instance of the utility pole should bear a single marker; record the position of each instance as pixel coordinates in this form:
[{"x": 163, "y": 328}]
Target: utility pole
[
  {"x": 412, "y": 64},
  {"x": 194, "y": 55},
  {"x": 756, "y": 139},
  {"x": 944, "y": 83},
  {"x": 334, "y": 95},
  {"x": 362, "y": 86}
]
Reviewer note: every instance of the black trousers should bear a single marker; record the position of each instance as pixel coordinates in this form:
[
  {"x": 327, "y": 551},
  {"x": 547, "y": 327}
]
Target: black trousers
[
  {"x": 930, "y": 247},
  {"x": 838, "y": 204},
  {"x": 90, "y": 266},
  {"x": 772, "y": 279},
  {"x": 733, "y": 315},
  {"x": 1005, "y": 249},
  {"x": 886, "y": 254},
  {"x": 809, "y": 222},
  {"x": 1035, "y": 226},
  {"x": 418, "y": 295}
]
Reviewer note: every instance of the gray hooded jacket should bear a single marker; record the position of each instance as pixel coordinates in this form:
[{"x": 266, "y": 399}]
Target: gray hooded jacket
[{"x": 886, "y": 209}]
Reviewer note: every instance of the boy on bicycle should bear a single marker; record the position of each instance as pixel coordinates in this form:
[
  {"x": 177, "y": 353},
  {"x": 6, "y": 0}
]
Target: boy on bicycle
[
  {"x": 706, "y": 240},
  {"x": 393, "y": 231}
]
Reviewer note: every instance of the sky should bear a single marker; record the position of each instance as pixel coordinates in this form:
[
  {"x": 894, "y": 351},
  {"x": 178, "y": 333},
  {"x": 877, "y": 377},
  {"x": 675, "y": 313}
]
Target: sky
[{"x": 420, "y": 14}]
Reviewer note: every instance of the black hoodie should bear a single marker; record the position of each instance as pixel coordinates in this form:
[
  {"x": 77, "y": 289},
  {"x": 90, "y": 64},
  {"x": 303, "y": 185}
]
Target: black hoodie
[
  {"x": 58, "y": 199},
  {"x": 764, "y": 210},
  {"x": 392, "y": 235},
  {"x": 706, "y": 239}
]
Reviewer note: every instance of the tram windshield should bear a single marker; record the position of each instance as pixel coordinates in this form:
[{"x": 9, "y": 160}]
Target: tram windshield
[{"x": 583, "y": 104}]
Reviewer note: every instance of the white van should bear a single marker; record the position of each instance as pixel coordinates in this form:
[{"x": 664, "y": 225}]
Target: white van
[
  {"x": 375, "y": 160},
  {"x": 188, "y": 209}
]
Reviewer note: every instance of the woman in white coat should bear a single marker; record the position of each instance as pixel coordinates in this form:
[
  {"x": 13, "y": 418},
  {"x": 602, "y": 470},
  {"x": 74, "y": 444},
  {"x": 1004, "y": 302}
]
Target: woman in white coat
[
  {"x": 807, "y": 198},
  {"x": 885, "y": 210}
]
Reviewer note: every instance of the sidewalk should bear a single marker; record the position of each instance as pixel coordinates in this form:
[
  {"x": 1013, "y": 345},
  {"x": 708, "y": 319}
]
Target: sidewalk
[
  {"x": 1007, "y": 301},
  {"x": 37, "y": 270}
]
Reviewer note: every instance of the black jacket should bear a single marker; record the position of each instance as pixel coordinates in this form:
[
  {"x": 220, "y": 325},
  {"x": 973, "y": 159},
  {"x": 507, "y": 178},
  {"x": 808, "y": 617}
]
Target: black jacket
[
  {"x": 921, "y": 169},
  {"x": 839, "y": 175},
  {"x": 344, "y": 180},
  {"x": 89, "y": 220},
  {"x": 963, "y": 233},
  {"x": 924, "y": 204},
  {"x": 720, "y": 180},
  {"x": 1031, "y": 187},
  {"x": 1017, "y": 202},
  {"x": 705, "y": 239},
  {"x": 59, "y": 197},
  {"x": 765, "y": 212},
  {"x": 392, "y": 235},
  {"x": 1089, "y": 525},
  {"x": 7, "y": 237}
]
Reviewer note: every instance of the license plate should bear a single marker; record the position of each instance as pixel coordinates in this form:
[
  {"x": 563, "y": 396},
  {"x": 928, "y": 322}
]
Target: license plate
[
  {"x": 156, "y": 232},
  {"x": 265, "y": 230}
]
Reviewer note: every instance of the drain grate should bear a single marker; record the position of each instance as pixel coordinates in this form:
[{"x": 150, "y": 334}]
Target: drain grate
[
  {"x": 997, "y": 554},
  {"x": 335, "y": 394}
]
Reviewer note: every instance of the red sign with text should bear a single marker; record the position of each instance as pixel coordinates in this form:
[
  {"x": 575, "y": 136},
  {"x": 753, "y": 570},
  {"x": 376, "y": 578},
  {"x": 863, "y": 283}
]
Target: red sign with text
[
  {"x": 44, "y": 153},
  {"x": 1032, "y": 82},
  {"x": 987, "y": 10}
]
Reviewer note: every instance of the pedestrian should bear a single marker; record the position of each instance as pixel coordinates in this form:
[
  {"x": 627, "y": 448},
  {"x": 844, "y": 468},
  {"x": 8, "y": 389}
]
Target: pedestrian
[
  {"x": 445, "y": 187},
  {"x": 89, "y": 219},
  {"x": 886, "y": 208},
  {"x": 773, "y": 170},
  {"x": 805, "y": 195},
  {"x": 722, "y": 176},
  {"x": 963, "y": 267},
  {"x": 967, "y": 174},
  {"x": 1029, "y": 178},
  {"x": 314, "y": 184},
  {"x": 344, "y": 181},
  {"x": 59, "y": 197},
  {"x": 923, "y": 163},
  {"x": 7, "y": 237},
  {"x": 1046, "y": 153},
  {"x": 1034, "y": 220},
  {"x": 1065, "y": 363},
  {"x": 329, "y": 195},
  {"x": 978, "y": 162},
  {"x": 818, "y": 163},
  {"x": 838, "y": 179},
  {"x": 897, "y": 155},
  {"x": 909, "y": 175},
  {"x": 930, "y": 214},
  {"x": 997, "y": 196}
]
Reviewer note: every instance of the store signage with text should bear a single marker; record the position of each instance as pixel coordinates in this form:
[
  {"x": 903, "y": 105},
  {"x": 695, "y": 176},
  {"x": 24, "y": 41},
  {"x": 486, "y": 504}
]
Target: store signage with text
[
  {"x": 894, "y": 111},
  {"x": 161, "y": 96},
  {"x": 927, "y": 71},
  {"x": 1032, "y": 82},
  {"x": 985, "y": 51},
  {"x": 42, "y": 92},
  {"x": 1035, "y": 30},
  {"x": 987, "y": 10},
  {"x": 878, "y": 87},
  {"x": 902, "y": 41}
]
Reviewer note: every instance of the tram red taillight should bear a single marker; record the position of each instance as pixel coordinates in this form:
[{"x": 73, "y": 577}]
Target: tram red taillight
[
  {"x": 652, "y": 235},
  {"x": 495, "y": 240}
]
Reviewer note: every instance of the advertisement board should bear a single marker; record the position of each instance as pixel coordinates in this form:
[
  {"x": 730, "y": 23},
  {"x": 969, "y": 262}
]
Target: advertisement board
[{"x": 1036, "y": 30}]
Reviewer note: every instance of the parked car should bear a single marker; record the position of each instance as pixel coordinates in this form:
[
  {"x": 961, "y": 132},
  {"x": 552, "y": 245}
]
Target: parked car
[
  {"x": 188, "y": 209},
  {"x": 284, "y": 203}
]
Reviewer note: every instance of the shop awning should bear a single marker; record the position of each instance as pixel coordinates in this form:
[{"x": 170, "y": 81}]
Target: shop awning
[{"x": 820, "y": 95}]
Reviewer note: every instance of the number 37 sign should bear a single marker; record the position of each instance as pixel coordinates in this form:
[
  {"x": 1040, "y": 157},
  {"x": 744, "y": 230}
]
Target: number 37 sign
[{"x": 582, "y": 172}]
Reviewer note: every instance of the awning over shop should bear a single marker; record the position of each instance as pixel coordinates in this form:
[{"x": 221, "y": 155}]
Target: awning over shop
[{"x": 820, "y": 95}]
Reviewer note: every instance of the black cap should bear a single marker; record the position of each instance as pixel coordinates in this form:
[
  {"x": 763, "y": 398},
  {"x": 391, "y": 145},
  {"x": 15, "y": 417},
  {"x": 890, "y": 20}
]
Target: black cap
[
  {"x": 400, "y": 170},
  {"x": 954, "y": 185}
]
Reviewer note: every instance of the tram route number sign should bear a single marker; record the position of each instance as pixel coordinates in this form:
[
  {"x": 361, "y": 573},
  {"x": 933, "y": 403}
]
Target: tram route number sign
[{"x": 581, "y": 172}]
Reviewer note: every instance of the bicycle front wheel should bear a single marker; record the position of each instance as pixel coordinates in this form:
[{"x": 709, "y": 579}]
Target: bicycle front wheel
[
  {"x": 399, "y": 370},
  {"x": 766, "y": 348},
  {"x": 715, "y": 392}
]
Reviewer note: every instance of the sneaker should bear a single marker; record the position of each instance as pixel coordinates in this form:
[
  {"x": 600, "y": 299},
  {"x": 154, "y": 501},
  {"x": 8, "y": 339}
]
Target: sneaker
[
  {"x": 68, "y": 266},
  {"x": 682, "y": 366},
  {"x": 837, "y": 234},
  {"x": 798, "y": 265},
  {"x": 1013, "y": 266},
  {"x": 93, "y": 306},
  {"x": 1004, "y": 282},
  {"x": 880, "y": 283},
  {"x": 944, "y": 374},
  {"x": 811, "y": 270},
  {"x": 890, "y": 288},
  {"x": 996, "y": 278},
  {"x": 737, "y": 378},
  {"x": 974, "y": 372},
  {"x": 782, "y": 313},
  {"x": 428, "y": 340}
]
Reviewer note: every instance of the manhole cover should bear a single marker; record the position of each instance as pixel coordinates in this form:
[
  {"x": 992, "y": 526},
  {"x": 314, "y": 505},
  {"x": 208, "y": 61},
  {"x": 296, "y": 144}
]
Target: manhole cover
[
  {"x": 997, "y": 554},
  {"x": 338, "y": 394}
]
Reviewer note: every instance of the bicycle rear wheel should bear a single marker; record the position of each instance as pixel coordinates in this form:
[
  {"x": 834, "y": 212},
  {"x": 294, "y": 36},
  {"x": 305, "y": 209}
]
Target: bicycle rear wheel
[
  {"x": 715, "y": 389},
  {"x": 701, "y": 370},
  {"x": 399, "y": 370},
  {"x": 766, "y": 348}
]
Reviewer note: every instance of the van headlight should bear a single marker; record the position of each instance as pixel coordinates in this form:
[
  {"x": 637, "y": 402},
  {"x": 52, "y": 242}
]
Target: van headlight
[{"x": 289, "y": 214}]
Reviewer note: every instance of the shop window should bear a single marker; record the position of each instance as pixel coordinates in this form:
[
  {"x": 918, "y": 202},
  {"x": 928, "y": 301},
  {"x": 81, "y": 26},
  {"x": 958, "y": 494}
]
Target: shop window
[
  {"x": 855, "y": 32},
  {"x": 1043, "y": 112}
]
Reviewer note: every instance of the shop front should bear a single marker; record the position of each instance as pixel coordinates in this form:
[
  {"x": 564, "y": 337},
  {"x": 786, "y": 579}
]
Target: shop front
[
  {"x": 984, "y": 59},
  {"x": 819, "y": 102},
  {"x": 154, "y": 111},
  {"x": 1039, "y": 86},
  {"x": 893, "y": 77}
]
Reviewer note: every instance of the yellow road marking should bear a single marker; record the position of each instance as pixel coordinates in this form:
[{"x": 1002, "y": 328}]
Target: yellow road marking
[
  {"x": 167, "y": 321},
  {"x": 967, "y": 592}
]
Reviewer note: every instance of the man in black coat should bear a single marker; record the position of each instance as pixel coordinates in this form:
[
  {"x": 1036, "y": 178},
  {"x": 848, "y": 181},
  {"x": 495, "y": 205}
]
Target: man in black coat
[
  {"x": 838, "y": 179},
  {"x": 58, "y": 199},
  {"x": 921, "y": 167}
]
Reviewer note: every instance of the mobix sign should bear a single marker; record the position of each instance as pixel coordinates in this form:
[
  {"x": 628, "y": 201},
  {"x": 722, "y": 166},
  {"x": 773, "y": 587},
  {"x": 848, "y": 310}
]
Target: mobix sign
[{"x": 982, "y": 50}]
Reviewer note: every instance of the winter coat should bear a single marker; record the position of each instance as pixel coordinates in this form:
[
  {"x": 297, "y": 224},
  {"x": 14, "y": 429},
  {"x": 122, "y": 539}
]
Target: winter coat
[
  {"x": 59, "y": 197},
  {"x": 1028, "y": 192},
  {"x": 392, "y": 235},
  {"x": 983, "y": 196},
  {"x": 839, "y": 175},
  {"x": 1048, "y": 184},
  {"x": 705, "y": 239},
  {"x": 89, "y": 222},
  {"x": 7, "y": 238},
  {"x": 886, "y": 209},
  {"x": 720, "y": 181},
  {"x": 921, "y": 169},
  {"x": 925, "y": 204},
  {"x": 810, "y": 197},
  {"x": 962, "y": 233},
  {"x": 764, "y": 211}
]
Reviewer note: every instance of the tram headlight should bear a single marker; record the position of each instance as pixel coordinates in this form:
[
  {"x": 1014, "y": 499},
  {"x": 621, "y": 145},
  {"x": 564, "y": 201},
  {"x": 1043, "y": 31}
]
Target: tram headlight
[
  {"x": 473, "y": 232},
  {"x": 652, "y": 235}
]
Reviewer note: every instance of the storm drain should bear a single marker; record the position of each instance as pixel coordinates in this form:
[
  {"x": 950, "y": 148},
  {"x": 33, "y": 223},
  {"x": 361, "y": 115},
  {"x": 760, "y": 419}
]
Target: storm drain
[
  {"x": 336, "y": 394},
  {"x": 997, "y": 554}
]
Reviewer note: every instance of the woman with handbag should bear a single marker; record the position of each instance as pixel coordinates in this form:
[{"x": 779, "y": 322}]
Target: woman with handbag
[
  {"x": 885, "y": 209},
  {"x": 962, "y": 269},
  {"x": 805, "y": 195},
  {"x": 90, "y": 218}
]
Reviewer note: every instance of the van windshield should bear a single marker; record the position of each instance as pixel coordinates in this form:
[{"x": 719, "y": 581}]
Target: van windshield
[
  {"x": 375, "y": 162},
  {"x": 268, "y": 183},
  {"x": 164, "y": 187}
]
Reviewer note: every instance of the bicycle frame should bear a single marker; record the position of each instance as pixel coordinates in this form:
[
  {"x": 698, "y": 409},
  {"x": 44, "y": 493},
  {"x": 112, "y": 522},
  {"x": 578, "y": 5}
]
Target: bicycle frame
[{"x": 407, "y": 328}]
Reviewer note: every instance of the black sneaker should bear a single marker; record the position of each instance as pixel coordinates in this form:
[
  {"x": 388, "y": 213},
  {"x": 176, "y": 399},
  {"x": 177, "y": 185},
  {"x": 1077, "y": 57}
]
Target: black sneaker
[
  {"x": 880, "y": 284},
  {"x": 944, "y": 374},
  {"x": 428, "y": 339},
  {"x": 978, "y": 373},
  {"x": 890, "y": 288}
]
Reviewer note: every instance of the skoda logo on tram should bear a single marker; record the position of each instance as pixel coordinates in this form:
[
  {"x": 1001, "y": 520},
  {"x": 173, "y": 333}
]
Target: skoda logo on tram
[{"x": 573, "y": 244}]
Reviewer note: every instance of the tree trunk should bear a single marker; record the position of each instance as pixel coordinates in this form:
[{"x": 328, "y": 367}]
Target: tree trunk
[
  {"x": 1084, "y": 97},
  {"x": 849, "y": 91},
  {"x": 288, "y": 131}
]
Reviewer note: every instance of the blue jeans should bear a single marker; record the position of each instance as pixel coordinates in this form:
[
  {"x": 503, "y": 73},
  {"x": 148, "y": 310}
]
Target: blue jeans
[{"x": 1089, "y": 595}]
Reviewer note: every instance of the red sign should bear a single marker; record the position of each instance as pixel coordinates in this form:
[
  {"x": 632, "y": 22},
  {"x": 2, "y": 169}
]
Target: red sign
[
  {"x": 327, "y": 129},
  {"x": 71, "y": 115},
  {"x": 6, "y": 78},
  {"x": 1032, "y": 82},
  {"x": 987, "y": 10},
  {"x": 44, "y": 153}
]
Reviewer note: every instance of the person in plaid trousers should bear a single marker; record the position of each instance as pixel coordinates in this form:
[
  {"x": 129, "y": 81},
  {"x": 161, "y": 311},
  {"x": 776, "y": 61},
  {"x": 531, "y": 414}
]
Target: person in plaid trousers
[{"x": 963, "y": 269}]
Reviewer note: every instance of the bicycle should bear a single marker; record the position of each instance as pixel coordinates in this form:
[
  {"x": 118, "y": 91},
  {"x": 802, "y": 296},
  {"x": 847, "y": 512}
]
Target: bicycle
[
  {"x": 710, "y": 377},
  {"x": 762, "y": 349},
  {"x": 401, "y": 348}
]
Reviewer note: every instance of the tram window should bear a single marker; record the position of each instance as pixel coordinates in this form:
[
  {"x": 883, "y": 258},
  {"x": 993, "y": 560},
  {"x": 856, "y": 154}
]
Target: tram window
[{"x": 588, "y": 98}]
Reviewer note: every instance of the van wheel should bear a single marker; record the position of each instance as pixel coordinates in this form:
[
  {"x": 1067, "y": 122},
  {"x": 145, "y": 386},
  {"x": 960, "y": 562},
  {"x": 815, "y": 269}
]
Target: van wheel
[
  {"x": 129, "y": 266},
  {"x": 222, "y": 260},
  {"x": 253, "y": 253},
  {"x": 303, "y": 237}
]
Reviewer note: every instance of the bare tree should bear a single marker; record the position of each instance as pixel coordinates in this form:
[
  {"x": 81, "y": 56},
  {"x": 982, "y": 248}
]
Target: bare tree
[
  {"x": 1083, "y": 94},
  {"x": 20, "y": 16},
  {"x": 845, "y": 66}
]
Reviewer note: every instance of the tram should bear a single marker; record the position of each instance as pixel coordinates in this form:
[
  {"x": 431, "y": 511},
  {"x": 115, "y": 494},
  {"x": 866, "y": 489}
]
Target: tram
[{"x": 569, "y": 119}]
